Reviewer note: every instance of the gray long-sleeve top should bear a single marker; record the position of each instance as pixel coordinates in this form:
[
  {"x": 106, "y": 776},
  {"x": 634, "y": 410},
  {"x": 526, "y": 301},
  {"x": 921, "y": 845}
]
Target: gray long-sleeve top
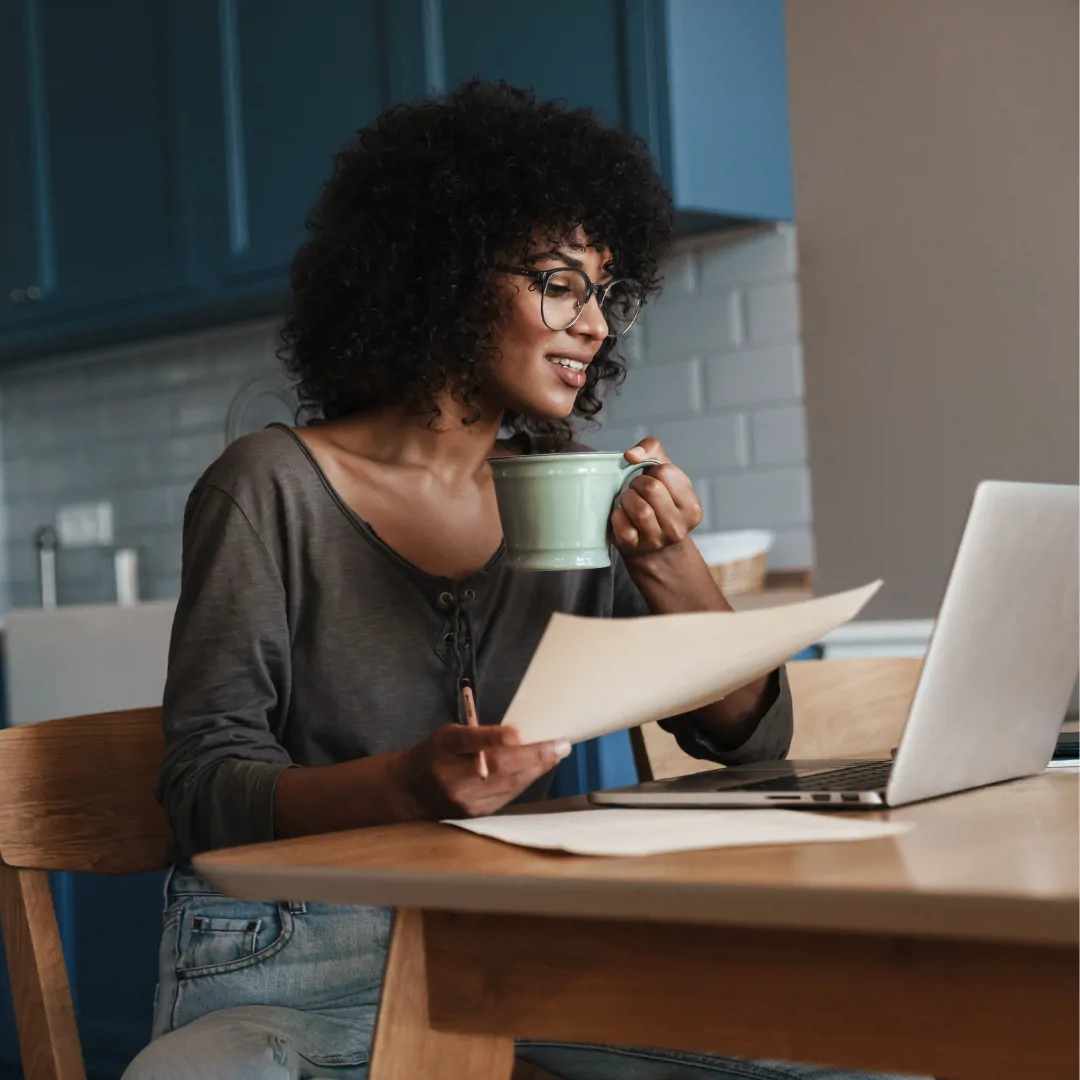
[{"x": 300, "y": 638}]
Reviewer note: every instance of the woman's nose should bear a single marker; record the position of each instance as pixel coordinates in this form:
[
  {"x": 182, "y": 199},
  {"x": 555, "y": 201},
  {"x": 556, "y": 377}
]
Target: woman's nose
[{"x": 591, "y": 322}]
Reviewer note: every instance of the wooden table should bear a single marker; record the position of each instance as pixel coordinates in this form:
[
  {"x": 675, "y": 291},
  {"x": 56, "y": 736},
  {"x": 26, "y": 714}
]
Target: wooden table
[{"x": 950, "y": 950}]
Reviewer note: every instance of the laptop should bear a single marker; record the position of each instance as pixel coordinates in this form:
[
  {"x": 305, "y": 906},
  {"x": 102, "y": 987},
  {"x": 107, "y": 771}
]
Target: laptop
[{"x": 994, "y": 688}]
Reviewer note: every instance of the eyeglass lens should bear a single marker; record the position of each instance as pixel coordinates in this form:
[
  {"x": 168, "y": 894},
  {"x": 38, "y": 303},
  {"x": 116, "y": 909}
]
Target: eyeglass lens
[{"x": 565, "y": 294}]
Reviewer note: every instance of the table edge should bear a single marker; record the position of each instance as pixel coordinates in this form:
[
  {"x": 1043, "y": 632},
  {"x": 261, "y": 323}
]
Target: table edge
[{"x": 1047, "y": 920}]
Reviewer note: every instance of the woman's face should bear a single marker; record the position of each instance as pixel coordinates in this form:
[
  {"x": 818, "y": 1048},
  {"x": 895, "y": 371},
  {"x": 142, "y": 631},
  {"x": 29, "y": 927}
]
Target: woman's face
[{"x": 540, "y": 371}]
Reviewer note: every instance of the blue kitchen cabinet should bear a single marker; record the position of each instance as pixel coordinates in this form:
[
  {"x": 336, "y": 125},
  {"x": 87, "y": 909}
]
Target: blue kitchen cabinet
[
  {"x": 9, "y": 1043},
  {"x": 297, "y": 79},
  {"x": 160, "y": 156},
  {"x": 111, "y": 935},
  {"x": 110, "y": 928},
  {"x": 577, "y": 55},
  {"x": 95, "y": 185},
  {"x": 704, "y": 82}
]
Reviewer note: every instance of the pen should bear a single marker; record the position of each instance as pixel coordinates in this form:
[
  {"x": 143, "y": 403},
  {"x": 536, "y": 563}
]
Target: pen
[{"x": 473, "y": 721}]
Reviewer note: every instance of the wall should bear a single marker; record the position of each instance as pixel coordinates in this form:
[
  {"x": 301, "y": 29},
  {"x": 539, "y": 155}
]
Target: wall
[
  {"x": 716, "y": 375},
  {"x": 935, "y": 153},
  {"x": 135, "y": 425}
]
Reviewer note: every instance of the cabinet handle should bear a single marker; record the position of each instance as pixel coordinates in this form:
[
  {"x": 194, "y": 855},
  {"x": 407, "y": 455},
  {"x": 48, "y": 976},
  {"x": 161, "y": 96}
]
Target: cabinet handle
[
  {"x": 18, "y": 296},
  {"x": 33, "y": 292}
]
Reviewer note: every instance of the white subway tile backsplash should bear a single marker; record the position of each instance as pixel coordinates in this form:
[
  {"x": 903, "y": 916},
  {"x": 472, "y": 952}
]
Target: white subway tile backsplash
[
  {"x": 779, "y": 497},
  {"x": 778, "y": 436},
  {"x": 753, "y": 377},
  {"x": 143, "y": 508},
  {"x": 195, "y": 415},
  {"x": 746, "y": 260},
  {"x": 614, "y": 436},
  {"x": 681, "y": 273},
  {"x": 772, "y": 312},
  {"x": 701, "y": 489},
  {"x": 705, "y": 443},
  {"x": 136, "y": 425},
  {"x": 657, "y": 391},
  {"x": 185, "y": 455},
  {"x": 679, "y": 325},
  {"x": 793, "y": 549}
]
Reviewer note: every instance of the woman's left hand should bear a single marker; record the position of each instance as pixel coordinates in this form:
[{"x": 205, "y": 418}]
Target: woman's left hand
[{"x": 658, "y": 511}]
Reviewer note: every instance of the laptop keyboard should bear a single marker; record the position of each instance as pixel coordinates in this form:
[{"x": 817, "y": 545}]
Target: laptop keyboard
[{"x": 864, "y": 776}]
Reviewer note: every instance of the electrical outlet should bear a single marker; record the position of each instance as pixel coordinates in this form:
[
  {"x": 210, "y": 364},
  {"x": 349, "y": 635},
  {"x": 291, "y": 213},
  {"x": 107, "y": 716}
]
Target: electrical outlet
[{"x": 85, "y": 525}]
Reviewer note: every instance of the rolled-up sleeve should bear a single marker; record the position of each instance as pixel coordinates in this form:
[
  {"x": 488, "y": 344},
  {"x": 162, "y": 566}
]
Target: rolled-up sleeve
[
  {"x": 228, "y": 679},
  {"x": 769, "y": 741}
]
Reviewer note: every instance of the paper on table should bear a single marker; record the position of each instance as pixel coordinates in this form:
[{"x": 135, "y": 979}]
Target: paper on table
[
  {"x": 589, "y": 677},
  {"x": 652, "y": 832}
]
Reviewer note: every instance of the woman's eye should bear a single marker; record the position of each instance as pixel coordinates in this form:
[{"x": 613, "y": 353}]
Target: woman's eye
[{"x": 557, "y": 290}]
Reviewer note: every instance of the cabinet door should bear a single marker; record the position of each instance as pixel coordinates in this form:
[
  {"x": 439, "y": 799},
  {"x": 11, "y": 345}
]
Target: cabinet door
[
  {"x": 298, "y": 78},
  {"x": 17, "y": 268},
  {"x": 113, "y": 935},
  {"x": 9, "y": 1043},
  {"x": 93, "y": 192},
  {"x": 568, "y": 51},
  {"x": 727, "y": 88}
]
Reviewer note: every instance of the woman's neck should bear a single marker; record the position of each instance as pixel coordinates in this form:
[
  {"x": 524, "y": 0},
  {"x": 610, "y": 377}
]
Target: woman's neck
[{"x": 452, "y": 447}]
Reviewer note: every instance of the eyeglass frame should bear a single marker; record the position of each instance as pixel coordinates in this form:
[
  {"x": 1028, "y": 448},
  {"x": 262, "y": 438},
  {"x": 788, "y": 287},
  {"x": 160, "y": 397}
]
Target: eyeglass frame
[{"x": 591, "y": 289}]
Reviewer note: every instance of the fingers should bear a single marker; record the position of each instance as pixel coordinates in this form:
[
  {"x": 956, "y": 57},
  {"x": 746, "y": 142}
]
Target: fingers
[
  {"x": 677, "y": 484},
  {"x": 512, "y": 767},
  {"x": 532, "y": 760},
  {"x": 662, "y": 509},
  {"x": 459, "y": 739},
  {"x": 623, "y": 531},
  {"x": 652, "y": 513},
  {"x": 659, "y": 509},
  {"x": 647, "y": 448},
  {"x": 502, "y": 746}
]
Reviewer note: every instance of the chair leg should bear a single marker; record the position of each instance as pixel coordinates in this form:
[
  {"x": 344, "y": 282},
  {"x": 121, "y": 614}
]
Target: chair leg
[
  {"x": 406, "y": 1046},
  {"x": 48, "y": 1039}
]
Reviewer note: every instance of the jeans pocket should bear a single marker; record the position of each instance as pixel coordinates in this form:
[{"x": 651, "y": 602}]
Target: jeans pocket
[{"x": 216, "y": 936}]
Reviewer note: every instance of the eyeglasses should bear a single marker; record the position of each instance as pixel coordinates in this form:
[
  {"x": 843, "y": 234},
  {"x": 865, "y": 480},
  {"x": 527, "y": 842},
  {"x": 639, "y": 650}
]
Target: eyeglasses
[{"x": 565, "y": 292}]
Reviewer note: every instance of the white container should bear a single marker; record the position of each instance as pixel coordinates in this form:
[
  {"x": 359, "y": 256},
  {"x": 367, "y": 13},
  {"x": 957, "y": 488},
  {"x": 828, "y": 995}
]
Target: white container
[{"x": 718, "y": 548}]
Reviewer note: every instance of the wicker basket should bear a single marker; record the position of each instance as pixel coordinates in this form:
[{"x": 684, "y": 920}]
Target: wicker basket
[
  {"x": 741, "y": 575},
  {"x": 737, "y": 560}
]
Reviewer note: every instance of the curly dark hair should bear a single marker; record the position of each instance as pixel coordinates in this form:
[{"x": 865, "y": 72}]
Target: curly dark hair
[{"x": 393, "y": 293}]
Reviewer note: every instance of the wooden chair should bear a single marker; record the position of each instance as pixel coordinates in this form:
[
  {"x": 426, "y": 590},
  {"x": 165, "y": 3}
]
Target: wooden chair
[
  {"x": 76, "y": 795},
  {"x": 843, "y": 708}
]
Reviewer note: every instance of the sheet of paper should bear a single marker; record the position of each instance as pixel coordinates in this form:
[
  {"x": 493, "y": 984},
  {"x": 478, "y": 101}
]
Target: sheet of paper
[
  {"x": 589, "y": 677},
  {"x": 652, "y": 832}
]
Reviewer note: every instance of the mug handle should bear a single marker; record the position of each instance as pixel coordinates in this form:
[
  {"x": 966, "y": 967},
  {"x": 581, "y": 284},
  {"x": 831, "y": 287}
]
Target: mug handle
[{"x": 630, "y": 472}]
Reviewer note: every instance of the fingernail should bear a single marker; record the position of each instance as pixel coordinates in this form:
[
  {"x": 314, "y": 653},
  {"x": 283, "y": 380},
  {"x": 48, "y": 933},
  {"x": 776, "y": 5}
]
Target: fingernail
[{"x": 562, "y": 749}]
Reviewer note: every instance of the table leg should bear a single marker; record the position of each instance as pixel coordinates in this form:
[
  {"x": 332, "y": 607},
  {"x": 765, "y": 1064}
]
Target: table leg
[{"x": 405, "y": 1046}]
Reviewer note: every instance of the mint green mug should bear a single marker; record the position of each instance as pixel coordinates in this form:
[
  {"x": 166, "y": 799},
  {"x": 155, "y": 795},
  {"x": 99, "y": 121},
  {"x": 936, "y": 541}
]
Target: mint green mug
[{"x": 556, "y": 508}]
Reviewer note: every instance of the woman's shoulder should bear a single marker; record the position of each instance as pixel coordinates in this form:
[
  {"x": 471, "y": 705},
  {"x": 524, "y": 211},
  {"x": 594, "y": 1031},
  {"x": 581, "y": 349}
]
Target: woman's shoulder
[{"x": 261, "y": 471}]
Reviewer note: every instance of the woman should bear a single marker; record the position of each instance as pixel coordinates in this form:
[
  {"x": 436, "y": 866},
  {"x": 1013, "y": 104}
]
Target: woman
[{"x": 470, "y": 265}]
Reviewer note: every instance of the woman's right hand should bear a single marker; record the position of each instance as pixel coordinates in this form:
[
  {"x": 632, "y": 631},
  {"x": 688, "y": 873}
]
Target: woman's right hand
[{"x": 443, "y": 778}]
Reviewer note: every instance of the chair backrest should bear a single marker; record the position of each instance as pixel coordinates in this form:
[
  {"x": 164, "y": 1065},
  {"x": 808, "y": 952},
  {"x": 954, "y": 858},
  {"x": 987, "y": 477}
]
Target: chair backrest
[
  {"x": 75, "y": 794},
  {"x": 843, "y": 708},
  {"x": 78, "y": 794}
]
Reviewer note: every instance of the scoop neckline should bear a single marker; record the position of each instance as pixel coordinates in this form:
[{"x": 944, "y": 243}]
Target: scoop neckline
[{"x": 367, "y": 530}]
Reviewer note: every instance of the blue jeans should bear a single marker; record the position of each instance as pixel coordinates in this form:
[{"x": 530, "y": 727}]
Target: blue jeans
[{"x": 259, "y": 991}]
